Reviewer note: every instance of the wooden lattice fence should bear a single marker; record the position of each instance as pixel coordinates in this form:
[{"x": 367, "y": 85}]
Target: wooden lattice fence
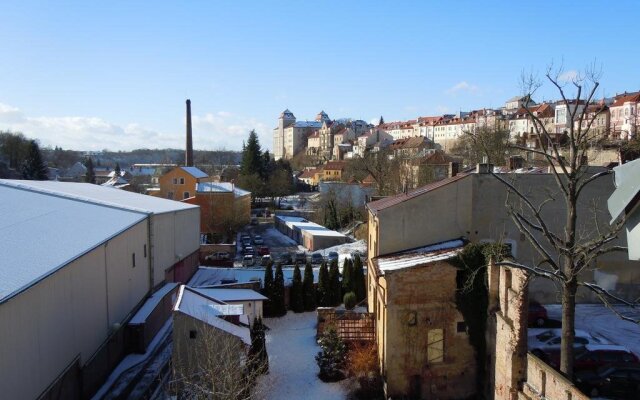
[{"x": 350, "y": 325}]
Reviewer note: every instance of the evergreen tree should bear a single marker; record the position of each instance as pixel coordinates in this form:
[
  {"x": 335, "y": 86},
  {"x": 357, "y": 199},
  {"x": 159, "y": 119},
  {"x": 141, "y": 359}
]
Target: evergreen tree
[
  {"x": 117, "y": 171},
  {"x": 296, "y": 300},
  {"x": 350, "y": 300},
  {"x": 33, "y": 168},
  {"x": 258, "y": 358},
  {"x": 308, "y": 290},
  {"x": 267, "y": 290},
  {"x": 381, "y": 121},
  {"x": 252, "y": 161},
  {"x": 278, "y": 306},
  {"x": 335, "y": 291},
  {"x": 333, "y": 357},
  {"x": 347, "y": 276},
  {"x": 90, "y": 175},
  {"x": 324, "y": 294},
  {"x": 359, "y": 285}
]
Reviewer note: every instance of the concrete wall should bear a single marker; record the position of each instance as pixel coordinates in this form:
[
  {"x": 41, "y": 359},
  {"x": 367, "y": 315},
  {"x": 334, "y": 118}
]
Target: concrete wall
[{"x": 70, "y": 314}]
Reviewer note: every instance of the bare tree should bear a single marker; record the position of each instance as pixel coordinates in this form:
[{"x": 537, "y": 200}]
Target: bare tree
[
  {"x": 382, "y": 167},
  {"x": 567, "y": 249},
  {"x": 484, "y": 141}
]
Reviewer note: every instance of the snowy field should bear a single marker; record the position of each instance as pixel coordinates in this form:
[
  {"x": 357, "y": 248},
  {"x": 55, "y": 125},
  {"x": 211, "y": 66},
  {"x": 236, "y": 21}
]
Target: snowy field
[{"x": 293, "y": 372}]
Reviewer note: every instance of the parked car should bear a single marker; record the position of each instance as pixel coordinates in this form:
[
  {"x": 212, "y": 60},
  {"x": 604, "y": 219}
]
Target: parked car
[
  {"x": 220, "y": 255},
  {"x": 257, "y": 239},
  {"x": 285, "y": 259},
  {"x": 248, "y": 260},
  {"x": 265, "y": 260},
  {"x": 537, "y": 314},
  {"x": 316, "y": 258},
  {"x": 254, "y": 221},
  {"x": 618, "y": 381},
  {"x": 300, "y": 257},
  {"x": 332, "y": 256},
  {"x": 598, "y": 355},
  {"x": 246, "y": 242},
  {"x": 550, "y": 339},
  {"x": 356, "y": 254},
  {"x": 248, "y": 250},
  {"x": 263, "y": 250}
]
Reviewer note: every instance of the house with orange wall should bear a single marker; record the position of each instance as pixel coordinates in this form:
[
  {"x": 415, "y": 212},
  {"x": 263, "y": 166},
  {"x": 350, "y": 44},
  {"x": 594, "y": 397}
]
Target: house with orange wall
[{"x": 180, "y": 183}]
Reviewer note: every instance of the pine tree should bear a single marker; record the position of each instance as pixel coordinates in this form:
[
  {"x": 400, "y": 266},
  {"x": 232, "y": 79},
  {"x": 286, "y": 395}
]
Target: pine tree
[
  {"x": 350, "y": 300},
  {"x": 90, "y": 175},
  {"x": 296, "y": 300},
  {"x": 267, "y": 290},
  {"x": 308, "y": 290},
  {"x": 359, "y": 285},
  {"x": 33, "y": 168},
  {"x": 324, "y": 293},
  {"x": 335, "y": 291},
  {"x": 347, "y": 276},
  {"x": 117, "y": 171},
  {"x": 278, "y": 306},
  {"x": 252, "y": 161},
  {"x": 332, "y": 359},
  {"x": 258, "y": 358}
]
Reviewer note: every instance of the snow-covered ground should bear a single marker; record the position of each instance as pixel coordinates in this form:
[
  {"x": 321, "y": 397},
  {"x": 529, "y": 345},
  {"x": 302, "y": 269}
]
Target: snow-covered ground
[
  {"x": 601, "y": 322},
  {"x": 293, "y": 372}
]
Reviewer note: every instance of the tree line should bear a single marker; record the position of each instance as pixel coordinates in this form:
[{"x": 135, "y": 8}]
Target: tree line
[{"x": 331, "y": 291}]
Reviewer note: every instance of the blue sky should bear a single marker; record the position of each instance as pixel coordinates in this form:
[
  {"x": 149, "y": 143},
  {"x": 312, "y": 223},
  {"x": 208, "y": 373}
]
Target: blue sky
[{"x": 94, "y": 75}]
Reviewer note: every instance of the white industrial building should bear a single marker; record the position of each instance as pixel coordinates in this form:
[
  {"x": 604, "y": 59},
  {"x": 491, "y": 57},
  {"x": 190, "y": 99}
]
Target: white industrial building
[{"x": 77, "y": 261}]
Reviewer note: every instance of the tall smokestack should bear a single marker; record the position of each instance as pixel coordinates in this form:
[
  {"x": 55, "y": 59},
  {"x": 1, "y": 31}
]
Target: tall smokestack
[{"x": 189, "y": 154}]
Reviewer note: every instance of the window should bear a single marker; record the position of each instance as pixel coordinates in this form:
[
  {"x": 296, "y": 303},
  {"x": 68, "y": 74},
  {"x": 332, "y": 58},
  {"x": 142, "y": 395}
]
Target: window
[
  {"x": 461, "y": 327},
  {"x": 193, "y": 334},
  {"x": 175, "y": 181},
  {"x": 133, "y": 260},
  {"x": 170, "y": 195},
  {"x": 145, "y": 251},
  {"x": 435, "y": 346},
  {"x": 185, "y": 195},
  {"x": 182, "y": 181}
]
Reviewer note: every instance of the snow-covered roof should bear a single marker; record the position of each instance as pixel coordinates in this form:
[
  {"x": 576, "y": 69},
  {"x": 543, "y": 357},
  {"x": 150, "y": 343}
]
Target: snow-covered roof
[
  {"x": 152, "y": 302},
  {"x": 195, "y": 172},
  {"x": 220, "y": 187},
  {"x": 208, "y": 310},
  {"x": 227, "y": 295},
  {"x": 96, "y": 194},
  {"x": 419, "y": 256},
  {"x": 41, "y": 232},
  {"x": 311, "y": 228},
  {"x": 214, "y": 276},
  {"x": 116, "y": 182}
]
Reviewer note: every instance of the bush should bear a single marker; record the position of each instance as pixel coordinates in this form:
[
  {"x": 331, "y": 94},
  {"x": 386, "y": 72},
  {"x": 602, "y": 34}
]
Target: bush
[
  {"x": 333, "y": 356},
  {"x": 350, "y": 301}
]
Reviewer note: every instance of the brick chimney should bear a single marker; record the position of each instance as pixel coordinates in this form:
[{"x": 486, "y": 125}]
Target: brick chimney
[{"x": 189, "y": 154}]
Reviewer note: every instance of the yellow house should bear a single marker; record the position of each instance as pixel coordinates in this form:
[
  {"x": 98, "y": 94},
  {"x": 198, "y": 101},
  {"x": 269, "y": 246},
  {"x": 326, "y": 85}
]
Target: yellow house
[
  {"x": 333, "y": 170},
  {"x": 180, "y": 183}
]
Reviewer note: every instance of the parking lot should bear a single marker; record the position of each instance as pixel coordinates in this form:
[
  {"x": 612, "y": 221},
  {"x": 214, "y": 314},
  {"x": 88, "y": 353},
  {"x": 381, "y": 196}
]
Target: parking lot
[{"x": 274, "y": 240}]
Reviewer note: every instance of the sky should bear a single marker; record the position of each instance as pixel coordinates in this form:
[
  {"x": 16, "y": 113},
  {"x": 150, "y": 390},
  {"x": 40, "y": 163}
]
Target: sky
[{"x": 115, "y": 75}]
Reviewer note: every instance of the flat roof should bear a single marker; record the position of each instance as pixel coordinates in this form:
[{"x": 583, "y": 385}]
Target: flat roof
[
  {"x": 42, "y": 232},
  {"x": 231, "y": 294},
  {"x": 220, "y": 187},
  {"x": 102, "y": 195},
  {"x": 308, "y": 227}
]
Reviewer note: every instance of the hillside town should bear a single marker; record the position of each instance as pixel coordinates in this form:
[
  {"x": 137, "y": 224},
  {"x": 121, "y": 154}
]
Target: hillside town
[{"x": 154, "y": 247}]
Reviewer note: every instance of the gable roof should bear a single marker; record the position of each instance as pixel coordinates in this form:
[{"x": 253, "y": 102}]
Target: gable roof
[
  {"x": 391, "y": 201},
  {"x": 42, "y": 232},
  {"x": 195, "y": 172},
  {"x": 335, "y": 165},
  {"x": 207, "y": 310},
  {"x": 635, "y": 97}
]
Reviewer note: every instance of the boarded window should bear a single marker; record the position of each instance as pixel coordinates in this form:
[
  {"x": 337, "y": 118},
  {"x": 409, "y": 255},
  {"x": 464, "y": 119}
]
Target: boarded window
[
  {"x": 435, "y": 346},
  {"x": 133, "y": 260}
]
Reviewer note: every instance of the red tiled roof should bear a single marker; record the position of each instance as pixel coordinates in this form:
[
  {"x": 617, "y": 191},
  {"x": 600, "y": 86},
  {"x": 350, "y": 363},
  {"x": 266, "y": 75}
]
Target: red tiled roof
[
  {"x": 391, "y": 201},
  {"x": 335, "y": 165},
  {"x": 308, "y": 174},
  {"x": 625, "y": 99}
]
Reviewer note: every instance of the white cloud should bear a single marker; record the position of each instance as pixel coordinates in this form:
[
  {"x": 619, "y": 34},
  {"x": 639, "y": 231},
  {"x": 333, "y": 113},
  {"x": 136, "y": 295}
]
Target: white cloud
[
  {"x": 214, "y": 130},
  {"x": 462, "y": 86},
  {"x": 569, "y": 76}
]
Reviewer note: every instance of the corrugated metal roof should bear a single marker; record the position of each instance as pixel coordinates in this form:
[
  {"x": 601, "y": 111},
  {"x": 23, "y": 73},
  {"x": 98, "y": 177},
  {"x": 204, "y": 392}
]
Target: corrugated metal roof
[
  {"x": 419, "y": 256},
  {"x": 390, "y": 201}
]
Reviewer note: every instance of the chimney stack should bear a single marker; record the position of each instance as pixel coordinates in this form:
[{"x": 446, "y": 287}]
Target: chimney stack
[{"x": 189, "y": 154}]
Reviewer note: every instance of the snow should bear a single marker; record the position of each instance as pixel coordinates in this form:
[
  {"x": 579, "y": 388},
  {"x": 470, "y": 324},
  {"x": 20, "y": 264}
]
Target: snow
[
  {"x": 220, "y": 187},
  {"x": 195, "y": 172},
  {"x": 204, "y": 309},
  {"x": 420, "y": 256},
  {"x": 344, "y": 250},
  {"x": 96, "y": 194},
  {"x": 293, "y": 372},
  {"x": 273, "y": 235},
  {"x": 600, "y": 321},
  {"x": 133, "y": 360},
  {"x": 213, "y": 276},
  {"x": 151, "y": 304},
  {"x": 41, "y": 233},
  {"x": 232, "y": 294}
]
